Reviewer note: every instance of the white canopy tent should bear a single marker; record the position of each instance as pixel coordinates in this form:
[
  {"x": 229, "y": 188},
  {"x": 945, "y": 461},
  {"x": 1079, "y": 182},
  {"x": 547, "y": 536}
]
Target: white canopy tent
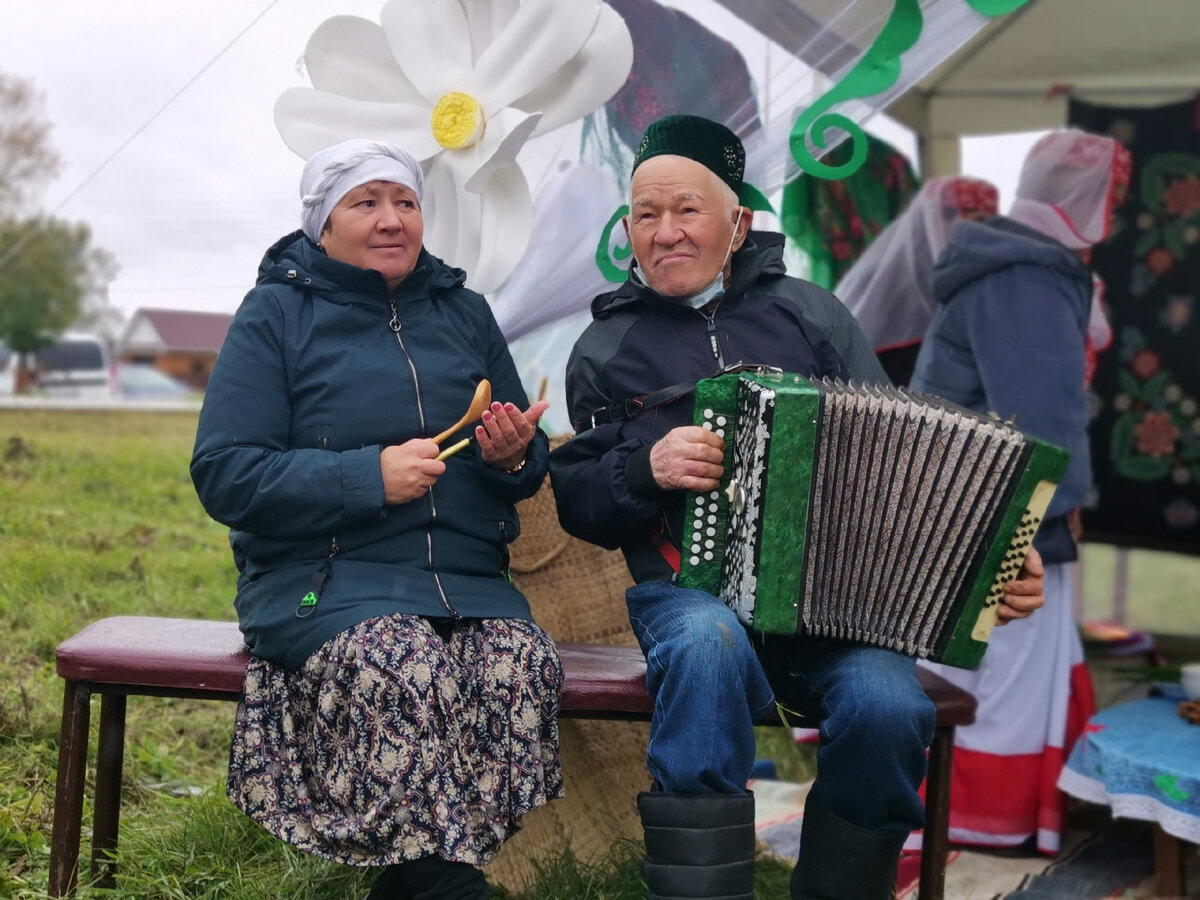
[{"x": 1018, "y": 72}]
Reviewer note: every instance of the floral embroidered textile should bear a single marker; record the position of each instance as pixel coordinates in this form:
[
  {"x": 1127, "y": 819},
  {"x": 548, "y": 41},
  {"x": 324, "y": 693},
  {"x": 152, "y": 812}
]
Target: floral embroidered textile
[
  {"x": 1145, "y": 435},
  {"x": 833, "y": 222}
]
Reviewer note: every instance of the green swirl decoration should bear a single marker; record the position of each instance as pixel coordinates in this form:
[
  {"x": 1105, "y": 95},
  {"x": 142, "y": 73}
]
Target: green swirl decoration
[
  {"x": 877, "y": 70},
  {"x": 754, "y": 199},
  {"x": 608, "y": 264},
  {"x": 993, "y": 8},
  {"x": 609, "y": 258}
]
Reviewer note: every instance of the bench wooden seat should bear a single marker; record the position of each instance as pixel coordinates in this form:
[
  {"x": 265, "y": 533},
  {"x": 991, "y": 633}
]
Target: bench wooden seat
[{"x": 136, "y": 655}]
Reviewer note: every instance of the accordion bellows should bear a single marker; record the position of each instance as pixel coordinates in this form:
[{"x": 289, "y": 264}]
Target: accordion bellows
[{"x": 864, "y": 513}]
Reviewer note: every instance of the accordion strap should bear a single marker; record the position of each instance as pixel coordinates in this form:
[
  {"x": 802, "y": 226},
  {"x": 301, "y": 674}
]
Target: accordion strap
[
  {"x": 635, "y": 406},
  {"x": 669, "y": 552}
]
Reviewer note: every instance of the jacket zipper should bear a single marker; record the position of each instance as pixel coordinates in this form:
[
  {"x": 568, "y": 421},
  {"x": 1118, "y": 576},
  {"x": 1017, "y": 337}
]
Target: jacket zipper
[
  {"x": 394, "y": 325},
  {"x": 320, "y": 578},
  {"x": 334, "y": 549},
  {"x": 710, "y": 329}
]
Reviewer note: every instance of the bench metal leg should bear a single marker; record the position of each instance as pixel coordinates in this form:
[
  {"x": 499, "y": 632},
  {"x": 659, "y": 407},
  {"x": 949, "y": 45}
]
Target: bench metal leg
[
  {"x": 68, "y": 789},
  {"x": 935, "y": 839},
  {"x": 109, "y": 762}
]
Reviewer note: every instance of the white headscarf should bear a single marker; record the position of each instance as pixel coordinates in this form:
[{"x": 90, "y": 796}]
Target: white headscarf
[
  {"x": 1066, "y": 186},
  {"x": 887, "y": 289},
  {"x": 335, "y": 171}
]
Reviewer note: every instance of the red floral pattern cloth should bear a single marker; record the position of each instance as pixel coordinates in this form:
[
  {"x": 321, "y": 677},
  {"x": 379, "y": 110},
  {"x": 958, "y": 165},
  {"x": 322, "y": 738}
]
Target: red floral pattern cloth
[
  {"x": 833, "y": 222},
  {"x": 1145, "y": 428},
  {"x": 394, "y": 742}
]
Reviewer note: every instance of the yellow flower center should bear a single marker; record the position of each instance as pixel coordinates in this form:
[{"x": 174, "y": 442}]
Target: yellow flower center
[{"x": 457, "y": 121}]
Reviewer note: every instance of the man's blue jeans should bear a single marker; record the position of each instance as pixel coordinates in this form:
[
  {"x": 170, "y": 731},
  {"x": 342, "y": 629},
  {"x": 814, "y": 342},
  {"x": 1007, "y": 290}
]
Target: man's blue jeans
[{"x": 711, "y": 680}]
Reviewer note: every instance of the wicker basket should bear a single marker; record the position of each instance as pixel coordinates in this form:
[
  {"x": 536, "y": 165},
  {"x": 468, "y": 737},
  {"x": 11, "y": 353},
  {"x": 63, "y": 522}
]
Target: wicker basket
[{"x": 577, "y": 593}]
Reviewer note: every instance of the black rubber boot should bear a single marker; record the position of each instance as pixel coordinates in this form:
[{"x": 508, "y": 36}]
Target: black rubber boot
[
  {"x": 698, "y": 845},
  {"x": 390, "y": 885},
  {"x": 431, "y": 878},
  {"x": 840, "y": 861}
]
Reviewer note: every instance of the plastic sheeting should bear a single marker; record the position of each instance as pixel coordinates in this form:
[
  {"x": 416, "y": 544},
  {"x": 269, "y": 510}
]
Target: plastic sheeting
[{"x": 756, "y": 66}]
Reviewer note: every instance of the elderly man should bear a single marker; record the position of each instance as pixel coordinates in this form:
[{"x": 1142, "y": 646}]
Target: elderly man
[{"x": 704, "y": 292}]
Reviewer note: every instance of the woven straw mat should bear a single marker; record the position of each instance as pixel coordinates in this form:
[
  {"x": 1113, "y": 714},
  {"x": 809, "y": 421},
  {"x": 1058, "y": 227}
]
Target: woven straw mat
[{"x": 577, "y": 593}]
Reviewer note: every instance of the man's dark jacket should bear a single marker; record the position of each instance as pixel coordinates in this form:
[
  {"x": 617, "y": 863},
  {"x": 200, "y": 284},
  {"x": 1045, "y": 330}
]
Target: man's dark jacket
[{"x": 640, "y": 342}]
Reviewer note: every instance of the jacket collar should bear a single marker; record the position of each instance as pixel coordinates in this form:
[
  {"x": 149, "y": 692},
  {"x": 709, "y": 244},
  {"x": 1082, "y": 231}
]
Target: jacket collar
[
  {"x": 294, "y": 258},
  {"x": 977, "y": 249},
  {"x": 761, "y": 255}
]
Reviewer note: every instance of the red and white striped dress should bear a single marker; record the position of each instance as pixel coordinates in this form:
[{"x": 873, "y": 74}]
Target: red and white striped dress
[{"x": 1034, "y": 694}]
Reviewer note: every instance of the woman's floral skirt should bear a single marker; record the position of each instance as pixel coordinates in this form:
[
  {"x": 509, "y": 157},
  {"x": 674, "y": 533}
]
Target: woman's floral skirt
[{"x": 397, "y": 741}]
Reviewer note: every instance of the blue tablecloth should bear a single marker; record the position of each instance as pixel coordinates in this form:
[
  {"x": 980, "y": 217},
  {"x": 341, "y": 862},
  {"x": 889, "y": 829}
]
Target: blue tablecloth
[{"x": 1142, "y": 759}]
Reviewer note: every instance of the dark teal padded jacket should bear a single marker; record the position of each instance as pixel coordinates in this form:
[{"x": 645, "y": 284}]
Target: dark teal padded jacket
[{"x": 311, "y": 383}]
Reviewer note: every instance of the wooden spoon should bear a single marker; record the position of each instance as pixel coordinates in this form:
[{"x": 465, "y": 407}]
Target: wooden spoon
[{"x": 480, "y": 402}]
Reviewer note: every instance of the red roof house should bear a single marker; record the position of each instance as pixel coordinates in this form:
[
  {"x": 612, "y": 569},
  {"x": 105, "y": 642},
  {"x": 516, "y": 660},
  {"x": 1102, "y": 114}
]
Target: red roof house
[{"x": 180, "y": 343}]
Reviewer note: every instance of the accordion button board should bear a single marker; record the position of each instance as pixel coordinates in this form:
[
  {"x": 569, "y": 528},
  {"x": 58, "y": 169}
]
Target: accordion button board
[{"x": 864, "y": 513}]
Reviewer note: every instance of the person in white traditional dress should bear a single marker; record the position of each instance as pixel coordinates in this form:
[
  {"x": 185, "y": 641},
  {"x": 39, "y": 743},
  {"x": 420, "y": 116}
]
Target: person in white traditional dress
[{"x": 888, "y": 290}]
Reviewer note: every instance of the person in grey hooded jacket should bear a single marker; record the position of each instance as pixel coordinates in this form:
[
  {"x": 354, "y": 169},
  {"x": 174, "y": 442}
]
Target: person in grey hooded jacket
[
  {"x": 1013, "y": 297},
  {"x": 400, "y": 706}
]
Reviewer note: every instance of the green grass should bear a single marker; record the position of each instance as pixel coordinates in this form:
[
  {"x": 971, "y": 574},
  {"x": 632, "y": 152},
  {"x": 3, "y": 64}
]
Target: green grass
[
  {"x": 97, "y": 518},
  {"x": 1162, "y": 589}
]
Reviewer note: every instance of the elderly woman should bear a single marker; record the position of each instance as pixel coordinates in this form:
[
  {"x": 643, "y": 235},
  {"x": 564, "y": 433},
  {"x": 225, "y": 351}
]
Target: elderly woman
[
  {"x": 888, "y": 289},
  {"x": 1013, "y": 299},
  {"x": 400, "y": 706}
]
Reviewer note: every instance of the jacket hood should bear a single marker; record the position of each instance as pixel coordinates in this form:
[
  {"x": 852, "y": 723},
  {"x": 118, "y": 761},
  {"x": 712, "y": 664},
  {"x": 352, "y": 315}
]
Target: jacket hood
[
  {"x": 976, "y": 249},
  {"x": 761, "y": 254},
  {"x": 295, "y": 256}
]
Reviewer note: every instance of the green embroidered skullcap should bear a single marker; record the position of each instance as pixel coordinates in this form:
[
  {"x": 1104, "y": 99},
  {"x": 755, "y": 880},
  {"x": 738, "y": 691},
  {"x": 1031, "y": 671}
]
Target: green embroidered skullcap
[{"x": 707, "y": 142}]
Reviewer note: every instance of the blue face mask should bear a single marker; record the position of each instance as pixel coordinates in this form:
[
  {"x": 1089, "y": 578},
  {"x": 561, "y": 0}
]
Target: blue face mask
[
  {"x": 714, "y": 288},
  {"x": 711, "y": 292}
]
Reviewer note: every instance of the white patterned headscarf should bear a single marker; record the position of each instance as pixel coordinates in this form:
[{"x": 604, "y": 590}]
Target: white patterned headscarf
[
  {"x": 335, "y": 171},
  {"x": 1066, "y": 190},
  {"x": 888, "y": 288}
]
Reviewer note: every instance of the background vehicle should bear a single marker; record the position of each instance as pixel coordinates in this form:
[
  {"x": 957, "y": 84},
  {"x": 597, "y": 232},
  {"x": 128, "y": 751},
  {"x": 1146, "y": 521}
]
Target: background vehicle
[
  {"x": 75, "y": 366},
  {"x": 8, "y": 370},
  {"x": 141, "y": 381}
]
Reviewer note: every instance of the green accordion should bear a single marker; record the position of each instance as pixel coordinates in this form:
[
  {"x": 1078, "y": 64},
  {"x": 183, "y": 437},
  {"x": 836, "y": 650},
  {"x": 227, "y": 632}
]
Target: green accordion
[{"x": 863, "y": 513}]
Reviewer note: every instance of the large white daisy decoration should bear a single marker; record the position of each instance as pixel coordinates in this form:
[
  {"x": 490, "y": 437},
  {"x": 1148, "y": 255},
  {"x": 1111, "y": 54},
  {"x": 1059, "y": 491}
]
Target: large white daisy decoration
[{"x": 462, "y": 85}]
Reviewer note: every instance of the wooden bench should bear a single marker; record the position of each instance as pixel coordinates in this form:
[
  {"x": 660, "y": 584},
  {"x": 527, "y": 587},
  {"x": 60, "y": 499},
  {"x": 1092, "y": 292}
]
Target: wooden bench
[{"x": 133, "y": 655}]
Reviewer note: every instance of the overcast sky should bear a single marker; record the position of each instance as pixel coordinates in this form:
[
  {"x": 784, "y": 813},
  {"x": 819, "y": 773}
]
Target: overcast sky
[
  {"x": 189, "y": 205},
  {"x": 204, "y": 183}
]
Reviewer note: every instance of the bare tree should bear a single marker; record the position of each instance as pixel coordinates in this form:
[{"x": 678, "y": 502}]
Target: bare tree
[{"x": 28, "y": 161}]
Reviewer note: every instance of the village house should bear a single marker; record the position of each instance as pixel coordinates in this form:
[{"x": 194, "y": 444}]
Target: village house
[{"x": 180, "y": 343}]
